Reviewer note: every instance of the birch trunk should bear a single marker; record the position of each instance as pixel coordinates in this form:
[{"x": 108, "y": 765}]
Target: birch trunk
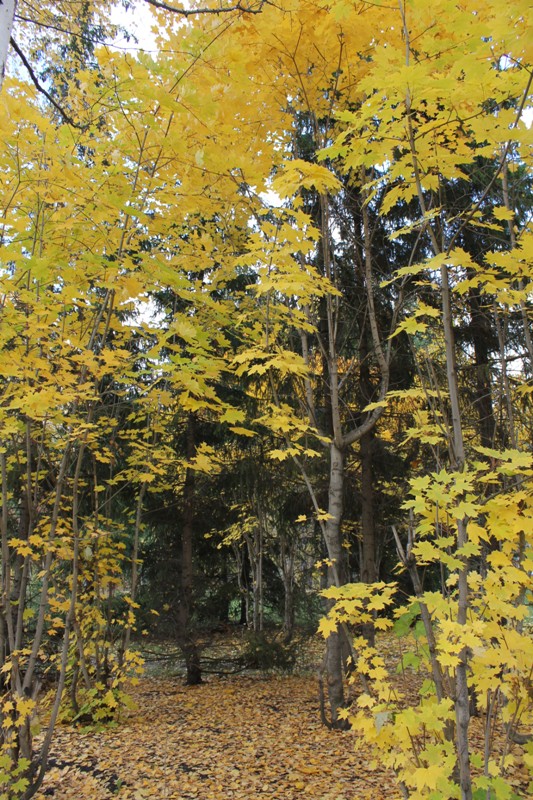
[{"x": 7, "y": 17}]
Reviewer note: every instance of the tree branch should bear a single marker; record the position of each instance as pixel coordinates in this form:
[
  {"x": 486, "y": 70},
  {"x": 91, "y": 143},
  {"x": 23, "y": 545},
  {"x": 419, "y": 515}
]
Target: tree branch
[
  {"x": 40, "y": 88},
  {"x": 191, "y": 12}
]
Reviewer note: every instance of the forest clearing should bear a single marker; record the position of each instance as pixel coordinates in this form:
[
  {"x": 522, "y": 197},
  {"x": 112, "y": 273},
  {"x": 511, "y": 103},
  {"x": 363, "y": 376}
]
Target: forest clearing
[{"x": 230, "y": 738}]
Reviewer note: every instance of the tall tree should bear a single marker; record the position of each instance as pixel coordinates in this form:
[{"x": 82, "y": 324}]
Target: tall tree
[
  {"x": 437, "y": 137},
  {"x": 319, "y": 79}
]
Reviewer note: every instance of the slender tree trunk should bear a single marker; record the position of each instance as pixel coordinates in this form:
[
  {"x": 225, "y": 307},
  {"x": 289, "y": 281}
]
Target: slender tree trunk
[
  {"x": 286, "y": 569},
  {"x": 186, "y": 639},
  {"x": 254, "y": 549},
  {"x": 368, "y": 531},
  {"x": 260, "y": 577},
  {"x": 481, "y": 327},
  {"x": 336, "y": 577},
  {"x": 337, "y": 645},
  {"x": 242, "y": 581},
  {"x": 125, "y": 643},
  {"x": 368, "y": 565},
  {"x": 367, "y": 393},
  {"x": 457, "y": 459},
  {"x": 288, "y": 608},
  {"x": 7, "y": 16}
]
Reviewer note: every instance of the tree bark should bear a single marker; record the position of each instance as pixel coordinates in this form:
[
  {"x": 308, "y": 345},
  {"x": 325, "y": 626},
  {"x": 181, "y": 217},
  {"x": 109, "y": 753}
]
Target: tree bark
[
  {"x": 481, "y": 327},
  {"x": 286, "y": 569},
  {"x": 342, "y": 439},
  {"x": 457, "y": 459},
  {"x": 368, "y": 532},
  {"x": 254, "y": 546},
  {"x": 336, "y": 577},
  {"x": 186, "y": 640},
  {"x": 7, "y": 17}
]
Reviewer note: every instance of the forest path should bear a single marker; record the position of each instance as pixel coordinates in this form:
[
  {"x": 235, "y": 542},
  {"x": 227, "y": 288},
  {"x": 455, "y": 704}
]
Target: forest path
[{"x": 242, "y": 737}]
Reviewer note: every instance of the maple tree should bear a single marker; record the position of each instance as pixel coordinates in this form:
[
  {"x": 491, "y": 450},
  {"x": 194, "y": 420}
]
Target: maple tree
[
  {"x": 309, "y": 97},
  {"x": 68, "y": 292},
  {"x": 435, "y": 135}
]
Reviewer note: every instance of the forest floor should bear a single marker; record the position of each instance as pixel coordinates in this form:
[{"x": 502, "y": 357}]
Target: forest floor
[{"x": 238, "y": 737}]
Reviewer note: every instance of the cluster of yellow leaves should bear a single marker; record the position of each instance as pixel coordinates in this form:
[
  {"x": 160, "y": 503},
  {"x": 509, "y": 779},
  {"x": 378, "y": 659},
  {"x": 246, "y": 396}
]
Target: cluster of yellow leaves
[
  {"x": 451, "y": 50},
  {"x": 357, "y": 603},
  {"x": 410, "y": 738}
]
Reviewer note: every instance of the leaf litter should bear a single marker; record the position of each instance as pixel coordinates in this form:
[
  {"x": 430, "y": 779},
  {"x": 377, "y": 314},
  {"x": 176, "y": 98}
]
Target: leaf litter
[
  {"x": 227, "y": 739},
  {"x": 237, "y": 737}
]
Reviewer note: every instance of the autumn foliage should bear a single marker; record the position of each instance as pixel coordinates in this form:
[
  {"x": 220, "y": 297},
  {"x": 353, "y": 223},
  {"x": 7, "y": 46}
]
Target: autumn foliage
[{"x": 266, "y": 301}]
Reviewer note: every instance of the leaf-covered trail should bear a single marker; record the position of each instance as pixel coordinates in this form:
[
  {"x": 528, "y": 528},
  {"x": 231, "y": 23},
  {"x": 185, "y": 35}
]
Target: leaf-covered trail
[{"x": 239, "y": 737}]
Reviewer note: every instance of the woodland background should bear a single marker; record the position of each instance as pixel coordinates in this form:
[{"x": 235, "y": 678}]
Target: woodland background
[{"x": 266, "y": 363}]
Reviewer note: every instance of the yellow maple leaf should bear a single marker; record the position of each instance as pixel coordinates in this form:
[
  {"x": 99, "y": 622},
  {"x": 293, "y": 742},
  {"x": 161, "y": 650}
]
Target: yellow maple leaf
[
  {"x": 299, "y": 174},
  {"x": 327, "y": 626}
]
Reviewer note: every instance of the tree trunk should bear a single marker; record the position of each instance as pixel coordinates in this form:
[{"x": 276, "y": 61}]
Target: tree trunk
[
  {"x": 242, "y": 581},
  {"x": 333, "y": 420},
  {"x": 186, "y": 639},
  {"x": 286, "y": 569},
  {"x": 457, "y": 459},
  {"x": 336, "y": 576},
  {"x": 482, "y": 327},
  {"x": 368, "y": 533},
  {"x": 288, "y": 609},
  {"x": 7, "y": 16},
  {"x": 254, "y": 546}
]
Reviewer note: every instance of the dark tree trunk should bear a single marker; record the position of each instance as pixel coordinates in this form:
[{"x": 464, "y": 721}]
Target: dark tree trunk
[
  {"x": 482, "y": 334},
  {"x": 337, "y": 574},
  {"x": 366, "y": 451},
  {"x": 368, "y": 531},
  {"x": 481, "y": 330},
  {"x": 243, "y": 617},
  {"x": 186, "y": 639}
]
